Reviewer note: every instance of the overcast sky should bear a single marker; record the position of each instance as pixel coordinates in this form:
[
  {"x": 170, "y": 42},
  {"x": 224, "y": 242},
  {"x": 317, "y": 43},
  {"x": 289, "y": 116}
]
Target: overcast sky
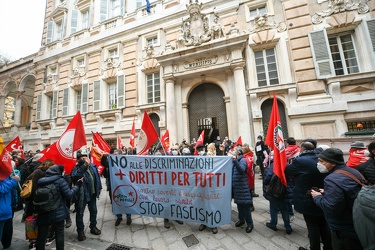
[{"x": 21, "y": 27}]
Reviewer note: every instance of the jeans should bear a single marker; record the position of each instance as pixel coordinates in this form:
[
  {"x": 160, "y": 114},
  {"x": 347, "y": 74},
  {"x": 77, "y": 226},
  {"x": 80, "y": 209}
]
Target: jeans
[
  {"x": 342, "y": 242},
  {"x": 244, "y": 213},
  {"x": 6, "y": 239},
  {"x": 43, "y": 232},
  {"x": 119, "y": 216},
  {"x": 317, "y": 228},
  {"x": 80, "y": 211},
  {"x": 281, "y": 206}
]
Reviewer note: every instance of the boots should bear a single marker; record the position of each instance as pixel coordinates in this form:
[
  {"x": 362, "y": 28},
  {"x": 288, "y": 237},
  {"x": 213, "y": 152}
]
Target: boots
[
  {"x": 81, "y": 236},
  {"x": 253, "y": 194}
]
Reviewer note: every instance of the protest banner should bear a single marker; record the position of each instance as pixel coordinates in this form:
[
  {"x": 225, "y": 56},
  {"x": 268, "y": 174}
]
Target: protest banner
[{"x": 192, "y": 188}]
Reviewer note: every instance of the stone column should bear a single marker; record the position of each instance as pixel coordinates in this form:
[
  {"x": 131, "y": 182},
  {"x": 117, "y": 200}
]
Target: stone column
[
  {"x": 240, "y": 101},
  {"x": 171, "y": 109},
  {"x": 2, "y": 106},
  {"x": 18, "y": 111}
]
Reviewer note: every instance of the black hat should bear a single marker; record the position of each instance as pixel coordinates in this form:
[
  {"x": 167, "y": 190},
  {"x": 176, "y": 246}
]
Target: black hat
[
  {"x": 332, "y": 155},
  {"x": 80, "y": 154},
  {"x": 199, "y": 146},
  {"x": 357, "y": 144}
]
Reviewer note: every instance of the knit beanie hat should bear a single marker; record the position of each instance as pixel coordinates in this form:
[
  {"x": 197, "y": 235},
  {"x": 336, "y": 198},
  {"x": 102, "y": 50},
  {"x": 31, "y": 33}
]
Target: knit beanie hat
[{"x": 332, "y": 155}]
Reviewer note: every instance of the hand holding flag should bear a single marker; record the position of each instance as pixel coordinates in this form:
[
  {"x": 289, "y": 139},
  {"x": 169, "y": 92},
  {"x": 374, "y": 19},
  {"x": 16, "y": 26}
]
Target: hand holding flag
[{"x": 5, "y": 161}]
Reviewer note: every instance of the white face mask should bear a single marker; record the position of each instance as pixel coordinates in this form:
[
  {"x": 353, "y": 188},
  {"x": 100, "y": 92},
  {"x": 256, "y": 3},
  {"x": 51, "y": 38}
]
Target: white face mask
[
  {"x": 174, "y": 152},
  {"x": 322, "y": 169},
  {"x": 201, "y": 152}
]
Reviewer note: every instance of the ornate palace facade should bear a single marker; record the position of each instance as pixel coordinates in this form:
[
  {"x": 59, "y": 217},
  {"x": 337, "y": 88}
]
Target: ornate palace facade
[{"x": 194, "y": 65}]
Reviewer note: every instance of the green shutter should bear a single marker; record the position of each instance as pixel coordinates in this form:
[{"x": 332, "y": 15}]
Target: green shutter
[
  {"x": 96, "y": 95},
  {"x": 85, "y": 98},
  {"x": 55, "y": 101},
  {"x": 321, "y": 53},
  {"x": 65, "y": 102},
  {"x": 121, "y": 91},
  {"x": 74, "y": 22}
]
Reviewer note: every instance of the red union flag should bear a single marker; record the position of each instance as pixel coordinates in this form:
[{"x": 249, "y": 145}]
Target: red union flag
[
  {"x": 100, "y": 146},
  {"x": 5, "y": 161},
  {"x": 275, "y": 141},
  {"x": 62, "y": 151},
  {"x": 199, "y": 141},
  {"x": 165, "y": 141},
  {"x": 132, "y": 134},
  {"x": 147, "y": 135},
  {"x": 238, "y": 142},
  {"x": 15, "y": 144},
  {"x": 119, "y": 142}
]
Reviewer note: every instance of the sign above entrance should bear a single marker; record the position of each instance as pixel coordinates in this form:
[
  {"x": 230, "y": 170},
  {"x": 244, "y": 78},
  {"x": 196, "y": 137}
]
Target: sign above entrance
[{"x": 201, "y": 62}]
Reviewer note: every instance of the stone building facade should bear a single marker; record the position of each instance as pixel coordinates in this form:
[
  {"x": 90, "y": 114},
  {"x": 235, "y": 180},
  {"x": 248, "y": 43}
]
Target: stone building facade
[{"x": 198, "y": 64}]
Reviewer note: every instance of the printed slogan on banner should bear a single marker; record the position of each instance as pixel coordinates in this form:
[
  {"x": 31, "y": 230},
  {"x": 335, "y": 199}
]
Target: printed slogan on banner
[{"x": 194, "y": 189}]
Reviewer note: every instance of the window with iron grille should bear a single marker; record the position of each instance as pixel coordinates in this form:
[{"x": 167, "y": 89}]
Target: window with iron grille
[{"x": 356, "y": 126}]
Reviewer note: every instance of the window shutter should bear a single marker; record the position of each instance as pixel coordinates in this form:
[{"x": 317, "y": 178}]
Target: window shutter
[
  {"x": 55, "y": 103},
  {"x": 65, "y": 103},
  {"x": 96, "y": 95},
  {"x": 85, "y": 98},
  {"x": 103, "y": 10},
  {"x": 49, "y": 32},
  {"x": 371, "y": 30},
  {"x": 63, "y": 28},
  {"x": 122, "y": 7},
  {"x": 321, "y": 53},
  {"x": 38, "y": 107},
  {"x": 74, "y": 22},
  {"x": 121, "y": 91}
]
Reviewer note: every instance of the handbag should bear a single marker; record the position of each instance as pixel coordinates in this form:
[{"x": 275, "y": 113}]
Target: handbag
[
  {"x": 31, "y": 229},
  {"x": 26, "y": 189}
]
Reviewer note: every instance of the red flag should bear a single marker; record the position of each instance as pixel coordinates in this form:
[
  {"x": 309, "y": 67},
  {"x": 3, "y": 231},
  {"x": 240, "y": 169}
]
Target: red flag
[
  {"x": 165, "y": 141},
  {"x": 119, "y": 142},
  {"x": 101, "y": 146},
  {"x": 5, "y": 161},
  {"x": 238, "y": 142},
  {"x": 275, "y": 141},
  {"x": 147, "y": 135},
  {"x": 199, "y": 141},
  {"x": 15, "y": 144},
  {"x": 62, "y": 151},
  {"x": 132, "y": 134}
]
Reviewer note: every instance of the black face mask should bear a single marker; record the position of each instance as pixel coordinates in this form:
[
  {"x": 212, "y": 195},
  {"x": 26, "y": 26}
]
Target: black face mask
[{"x": 81, "y": 162}]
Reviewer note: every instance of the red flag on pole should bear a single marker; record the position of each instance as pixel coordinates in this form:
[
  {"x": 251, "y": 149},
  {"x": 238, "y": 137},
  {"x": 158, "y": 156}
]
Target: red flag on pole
[
  {"x": 15, "y": 144},
  {"x": 100, "y": 142},
  {"x": 100, "y": 146},
  {"x": 275, "y": 141},
  {"x": 238, "y": 142},
  {"x": 62, "y": 151},
  {"x": 165, "y": 141},
  {"x": 199, "y": 141},
  {"x": 5, "y": 161},
  {"x": 132, "y": 135},
  {"x": 147, "y": 135},
  {"x": 119, "y": 142}
]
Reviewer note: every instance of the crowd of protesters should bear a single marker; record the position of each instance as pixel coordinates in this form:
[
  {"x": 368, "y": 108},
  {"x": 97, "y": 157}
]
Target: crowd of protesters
[{"x": 314, "y": 188}]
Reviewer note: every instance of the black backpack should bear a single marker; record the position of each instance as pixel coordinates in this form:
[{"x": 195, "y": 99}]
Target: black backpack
[
  {"x": 276, "y": 188},
  {"x": 47, "y": 198}
]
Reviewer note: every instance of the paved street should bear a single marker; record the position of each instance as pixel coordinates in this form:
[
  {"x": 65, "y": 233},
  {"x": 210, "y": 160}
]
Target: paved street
[{"x": 149, "y": 233}]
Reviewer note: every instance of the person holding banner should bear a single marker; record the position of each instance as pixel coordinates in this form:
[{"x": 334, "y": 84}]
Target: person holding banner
[
  {"x": 241, "y": 192},
  {"x": 87, "y": 194}
]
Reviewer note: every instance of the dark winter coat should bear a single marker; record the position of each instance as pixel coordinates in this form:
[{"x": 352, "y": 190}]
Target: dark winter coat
[
  {"x": 337, "y": 200},
  {"x": 35, "y": 176},
  {"x": 241, "y": 191},
  {"x": 305, "y": 175},
  {"x": 54, "y": 175},
  {"x": 268, "y": 172},
  {"x": 367, "y": 169},
  {"x": 80, "y": 171}
]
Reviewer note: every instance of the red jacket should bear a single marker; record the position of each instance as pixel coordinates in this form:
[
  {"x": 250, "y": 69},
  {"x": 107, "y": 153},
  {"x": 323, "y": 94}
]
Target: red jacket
[{"x": 249, "y": 157}]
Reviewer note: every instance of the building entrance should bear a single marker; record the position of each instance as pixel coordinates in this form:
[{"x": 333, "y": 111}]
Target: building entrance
[{"x": 207, "y": 112}]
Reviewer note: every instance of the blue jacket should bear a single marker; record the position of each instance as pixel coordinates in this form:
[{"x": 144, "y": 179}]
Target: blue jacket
[
  {"x": 6, "y": 188},
  {"x": 337, "y": 200},
  {"x": 241, "y": 191},
  {"x": 268, "y": 172},
  {"x": 80, "y": 171},
  {"x": 53, "y": 175},
  {"x": 305, "y": 175}
]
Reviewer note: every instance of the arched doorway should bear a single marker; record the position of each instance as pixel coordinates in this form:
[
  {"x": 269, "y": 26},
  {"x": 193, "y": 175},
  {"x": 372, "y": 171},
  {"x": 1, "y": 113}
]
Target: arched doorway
[
  {"x": 155, "y": 121},
  {"x": 266, "y": 114},
  {"x": 207, "y": 112}
]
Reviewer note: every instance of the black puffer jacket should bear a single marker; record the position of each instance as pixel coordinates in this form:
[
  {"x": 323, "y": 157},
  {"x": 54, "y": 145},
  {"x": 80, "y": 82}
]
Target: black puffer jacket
[
  {"x": 367, "y": 169},
  {"x": 54, "y": 175}
]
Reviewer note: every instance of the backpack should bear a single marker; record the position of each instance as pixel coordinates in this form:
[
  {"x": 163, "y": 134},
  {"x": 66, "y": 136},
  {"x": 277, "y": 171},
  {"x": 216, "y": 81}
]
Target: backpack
[
  {"x": 276, "y": 188},
  {"x": 47, "y": 198}
]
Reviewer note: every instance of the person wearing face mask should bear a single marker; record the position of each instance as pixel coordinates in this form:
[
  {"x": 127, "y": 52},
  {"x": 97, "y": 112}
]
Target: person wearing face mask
[
  {"x": 337, "y": 197},
  {"x": 87, "y": 194},
  {"x": 201, "y": 150},
  {"x": 305, "y": 174},
  {"x": 175, "y": 150}
]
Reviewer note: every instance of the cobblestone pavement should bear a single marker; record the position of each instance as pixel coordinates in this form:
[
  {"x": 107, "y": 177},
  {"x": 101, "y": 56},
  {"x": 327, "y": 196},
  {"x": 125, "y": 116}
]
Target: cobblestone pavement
[{"x": 149, "y": 233}]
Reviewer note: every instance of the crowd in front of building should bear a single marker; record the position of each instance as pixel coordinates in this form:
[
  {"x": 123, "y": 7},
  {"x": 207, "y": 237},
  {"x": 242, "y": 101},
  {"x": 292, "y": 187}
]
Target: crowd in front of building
[{"x": 317, "y": 187}]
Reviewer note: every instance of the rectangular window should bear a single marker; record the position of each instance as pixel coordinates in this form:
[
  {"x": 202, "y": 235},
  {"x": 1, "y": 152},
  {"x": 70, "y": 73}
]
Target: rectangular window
[
  {"x": 139, "y": 3},
  {"x": 112, "y": 96},
  {"x": 361, "y": 125},
  {"x": 59, "y": 31},
  {"x": 343, "y": 54},
  {"x": 266, "y": 67},
  {"x": 85, "y": 19},
  {"x": 153, "y": 87},
  {"x": 152, "y": 41},
  {"x": 115, "y": 8},
  {"x": 258, "y": 11},
  {"x": 78, "y": 99},
  {"x": 112, "y": 53}
]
